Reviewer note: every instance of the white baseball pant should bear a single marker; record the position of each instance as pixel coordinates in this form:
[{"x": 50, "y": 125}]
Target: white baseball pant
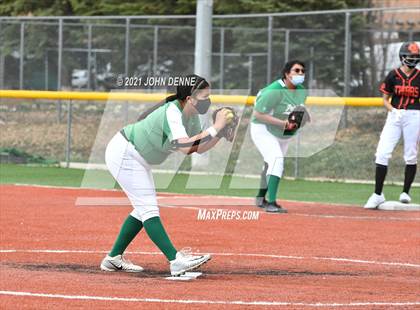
[
  {"x": 407, "y": 123},
  {"x": 134, "y": 175},
  {"x": 272, "y": 148}
]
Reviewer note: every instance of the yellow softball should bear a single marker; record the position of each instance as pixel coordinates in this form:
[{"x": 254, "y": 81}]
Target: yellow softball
[{"x": 229, "y": 117}]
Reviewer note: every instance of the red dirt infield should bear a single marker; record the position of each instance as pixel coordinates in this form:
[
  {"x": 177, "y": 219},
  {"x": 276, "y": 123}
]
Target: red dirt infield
[{"x": 316, "y": 256}]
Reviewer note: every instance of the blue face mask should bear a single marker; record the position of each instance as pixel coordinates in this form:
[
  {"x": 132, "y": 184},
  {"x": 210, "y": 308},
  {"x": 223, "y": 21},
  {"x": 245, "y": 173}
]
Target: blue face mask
[{"x": 297, "y": 79}]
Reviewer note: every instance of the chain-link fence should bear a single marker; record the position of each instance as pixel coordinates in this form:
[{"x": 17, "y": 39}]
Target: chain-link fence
[{"x": 348, "y": 52}]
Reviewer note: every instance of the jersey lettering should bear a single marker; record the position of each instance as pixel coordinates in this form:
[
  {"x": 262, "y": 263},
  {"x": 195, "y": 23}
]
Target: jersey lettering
[
  {"x": 409, "y": 91},
  {"x": 404, "y": 89}
]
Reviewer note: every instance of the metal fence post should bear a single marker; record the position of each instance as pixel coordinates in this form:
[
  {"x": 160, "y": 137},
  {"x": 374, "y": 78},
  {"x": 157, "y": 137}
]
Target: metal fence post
[
  {"x": 127, "y": 46},
  {"x": 59, "y": 64},
  {"x": 21, "y": 54},
  {"x": 126, "y": 63},
  {"x": 410, "y": 34},
  {"x": 46, "y": 70},
  {"x": 68, "y": 140},
  {"x": 286, "y": 45},
  {"x": 250, "y": 63},
  {"x": 222, "y": 58},
  {"x": 89, "y": 56},
  {"x": 1, "y": 69},
  {"x": 1, "y": 61},
  {"x": 347, "y": 52},
  {"x": 155, "y": 49},
  {"x": 297, "y": 148},
  {"x": 311, "y": 68},
  {"x": 269, "y": 47},
  {"x": 202, "y": 61}
]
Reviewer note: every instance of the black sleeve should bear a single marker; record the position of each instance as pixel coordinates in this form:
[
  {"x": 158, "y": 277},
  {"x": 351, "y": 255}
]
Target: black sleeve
[
  {"x": 387, "y": 86},
  {"x": 176, "y": 144}
]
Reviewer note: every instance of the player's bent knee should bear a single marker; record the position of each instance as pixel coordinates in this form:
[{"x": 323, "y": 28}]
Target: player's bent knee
[
  {"x": 143, "y": 213},
  {"x": 136, "y": 215},
  {"x": 410, "y": 161},
  {"x": 410, "y": 156},
  {"x": 149, "y": 214},
  {"x": 382, "y": 160},
  {"x": 275, "y": 169}
]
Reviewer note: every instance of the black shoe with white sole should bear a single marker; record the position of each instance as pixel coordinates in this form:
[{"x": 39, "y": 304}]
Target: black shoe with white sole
[
  {"x": 273, "y": 207},
  {"x": 260, "y": 202}
]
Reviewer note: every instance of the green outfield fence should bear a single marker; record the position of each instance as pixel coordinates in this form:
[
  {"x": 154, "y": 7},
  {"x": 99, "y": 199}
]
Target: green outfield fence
[{"x": 348, "y": 51}]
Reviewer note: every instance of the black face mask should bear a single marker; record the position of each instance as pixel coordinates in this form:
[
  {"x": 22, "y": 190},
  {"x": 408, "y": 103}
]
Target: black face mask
[
  {"x": 202, "y": 106},
  {"x": 410, "y": 62}
]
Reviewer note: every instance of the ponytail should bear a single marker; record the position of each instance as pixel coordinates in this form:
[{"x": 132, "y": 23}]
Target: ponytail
[
  {"x": 156, "y": 106},
  {"x": 183, "y": 90}
]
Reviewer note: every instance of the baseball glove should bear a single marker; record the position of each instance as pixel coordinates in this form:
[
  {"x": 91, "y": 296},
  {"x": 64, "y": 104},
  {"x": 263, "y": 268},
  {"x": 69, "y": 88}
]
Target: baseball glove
[
  {"x": 228, "y": 132},
  {"x": 298, "y": 118}
]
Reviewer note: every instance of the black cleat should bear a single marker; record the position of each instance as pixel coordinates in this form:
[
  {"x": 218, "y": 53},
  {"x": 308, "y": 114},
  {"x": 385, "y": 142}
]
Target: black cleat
[
  {"x": 273, "y": 207},
  {"x": 260, "y": 202}
]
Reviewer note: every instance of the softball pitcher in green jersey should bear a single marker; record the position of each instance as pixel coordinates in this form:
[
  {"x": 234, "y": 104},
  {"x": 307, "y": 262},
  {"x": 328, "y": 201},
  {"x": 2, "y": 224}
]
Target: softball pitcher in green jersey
[
  {"x": 271, "y": 131},
  {"x": 171, "y": 126}
]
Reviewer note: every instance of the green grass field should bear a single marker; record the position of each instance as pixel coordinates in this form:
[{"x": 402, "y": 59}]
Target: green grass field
[{"x": 327, "y": 192}]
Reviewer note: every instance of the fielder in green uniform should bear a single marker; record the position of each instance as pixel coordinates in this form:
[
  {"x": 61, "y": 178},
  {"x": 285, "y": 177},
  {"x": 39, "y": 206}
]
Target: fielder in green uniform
[
  {"x": 169, "y": 127},
  {"x": 271, "y": 131}
]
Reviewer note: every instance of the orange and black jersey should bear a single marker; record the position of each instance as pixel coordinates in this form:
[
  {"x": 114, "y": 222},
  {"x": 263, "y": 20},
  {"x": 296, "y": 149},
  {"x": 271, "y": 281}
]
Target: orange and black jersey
[{"x": 405, "y": 90}]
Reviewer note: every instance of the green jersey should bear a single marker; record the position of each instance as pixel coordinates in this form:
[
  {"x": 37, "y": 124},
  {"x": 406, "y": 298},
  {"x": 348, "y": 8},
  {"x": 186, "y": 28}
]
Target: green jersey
[
  {"x": 153, "y": 135},
  {"x": 278, "y": 100}
]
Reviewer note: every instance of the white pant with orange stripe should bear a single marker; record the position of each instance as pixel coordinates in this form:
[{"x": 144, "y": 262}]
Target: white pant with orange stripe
[{"x": 407, "y": 123}]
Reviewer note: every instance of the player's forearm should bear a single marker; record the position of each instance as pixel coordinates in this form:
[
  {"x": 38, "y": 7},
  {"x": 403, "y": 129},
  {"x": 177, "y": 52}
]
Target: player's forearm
[
  {"x": 269, "y": 119},
  {"x": 202, "y": 148},
  {"x": 202, "y": 135},
  {"x": 195, "y": 143},
  {"x": 387, "y": 102}
]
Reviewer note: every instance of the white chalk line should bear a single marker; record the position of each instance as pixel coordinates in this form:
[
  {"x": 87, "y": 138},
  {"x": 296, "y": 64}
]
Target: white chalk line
[
  {"x": 123, "y": 201},
  {"x": 334, "y": 259},
  {"x": 352, "y": 217},
  {"x": 359, "y": 217},
  {"x": 214, "y": 302},
  {"x": 117, "y": 202}
]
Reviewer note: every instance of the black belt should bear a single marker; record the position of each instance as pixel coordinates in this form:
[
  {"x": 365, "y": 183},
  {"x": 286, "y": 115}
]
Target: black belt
[{"x": 123, "y": 134}]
